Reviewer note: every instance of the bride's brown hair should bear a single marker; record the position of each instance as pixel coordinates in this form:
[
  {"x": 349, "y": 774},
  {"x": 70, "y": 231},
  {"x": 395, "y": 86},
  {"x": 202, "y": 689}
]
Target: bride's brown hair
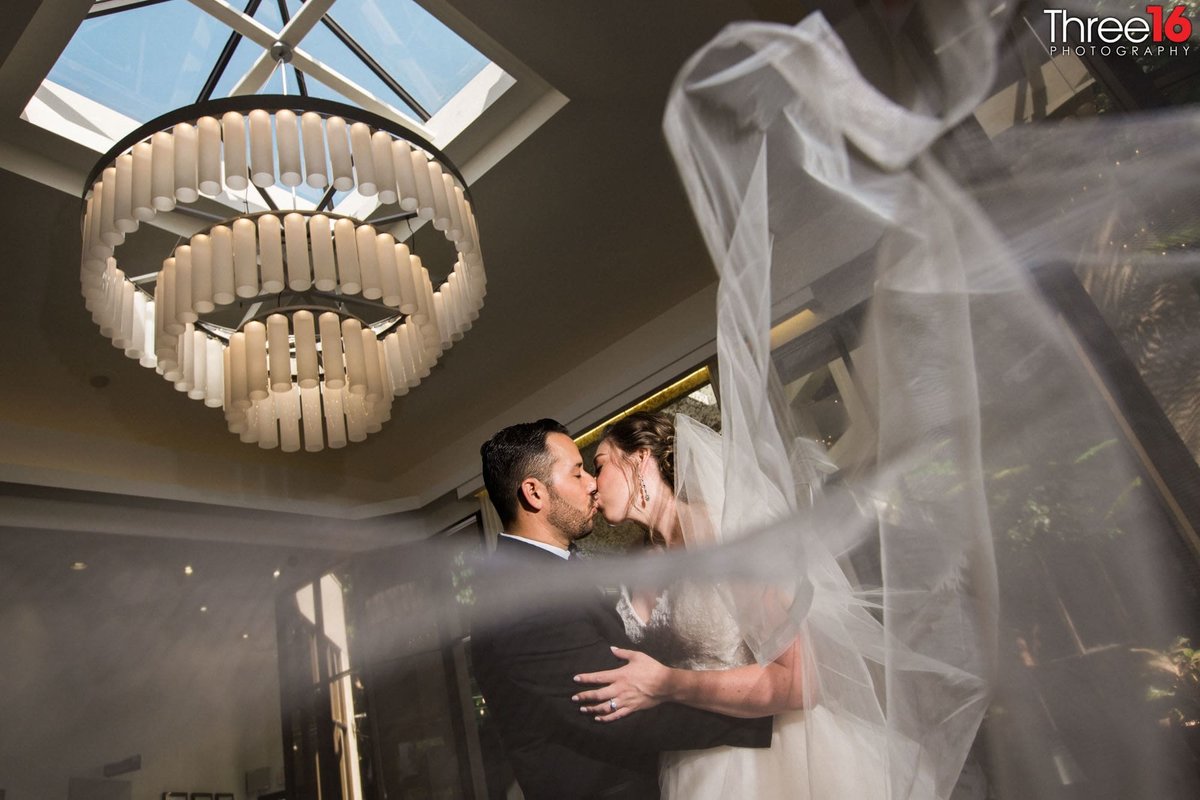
[{"x": 647, "y": 430}]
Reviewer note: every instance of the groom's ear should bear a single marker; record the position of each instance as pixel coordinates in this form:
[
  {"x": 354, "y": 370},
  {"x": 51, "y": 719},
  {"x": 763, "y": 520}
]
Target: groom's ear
[{"x": 533, "y": 494}]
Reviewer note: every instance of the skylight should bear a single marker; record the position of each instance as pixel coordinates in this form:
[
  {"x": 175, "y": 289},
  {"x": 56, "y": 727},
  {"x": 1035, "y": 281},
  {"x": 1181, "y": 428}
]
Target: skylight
[{"x": 132, "y": 61}]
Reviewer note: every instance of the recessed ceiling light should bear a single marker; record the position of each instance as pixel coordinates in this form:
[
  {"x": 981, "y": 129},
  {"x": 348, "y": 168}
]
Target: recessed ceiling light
[
  {"x": 245, "y": 636},
  {"x": 187, "y": 570},
  {"x": 275, "y": 574},
  {"x": 203, "y": 609},
  {"x": 78, "y": 566}
]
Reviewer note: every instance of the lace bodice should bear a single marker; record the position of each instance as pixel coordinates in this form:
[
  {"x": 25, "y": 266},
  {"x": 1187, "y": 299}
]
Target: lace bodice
[{"x": 689, "y": 628}]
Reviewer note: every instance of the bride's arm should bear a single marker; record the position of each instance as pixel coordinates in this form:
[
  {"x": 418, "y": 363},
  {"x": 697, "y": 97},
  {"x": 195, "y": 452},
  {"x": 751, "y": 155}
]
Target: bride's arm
[{"x": 749, "y": 691}]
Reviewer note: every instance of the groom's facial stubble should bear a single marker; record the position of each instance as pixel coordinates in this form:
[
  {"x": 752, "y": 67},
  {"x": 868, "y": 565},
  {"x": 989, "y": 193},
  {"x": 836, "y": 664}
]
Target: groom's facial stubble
[{"x": 571, "y": 488}]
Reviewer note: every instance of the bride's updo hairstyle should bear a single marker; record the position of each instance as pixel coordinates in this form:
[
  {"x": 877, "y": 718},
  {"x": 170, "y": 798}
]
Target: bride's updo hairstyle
[{"x": 646, "y": 430}]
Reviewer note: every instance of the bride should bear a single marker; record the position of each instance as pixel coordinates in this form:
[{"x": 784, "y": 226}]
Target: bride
[{"x": 694, "y": 652}]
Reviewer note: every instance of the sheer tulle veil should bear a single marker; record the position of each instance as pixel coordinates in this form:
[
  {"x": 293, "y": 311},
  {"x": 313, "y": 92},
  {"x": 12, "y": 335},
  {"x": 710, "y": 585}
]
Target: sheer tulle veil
[{"x": 796, "y": 168}]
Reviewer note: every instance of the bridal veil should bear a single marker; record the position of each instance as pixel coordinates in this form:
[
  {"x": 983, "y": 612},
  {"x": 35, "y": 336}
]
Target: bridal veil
[{"x": 890, "y": 569}]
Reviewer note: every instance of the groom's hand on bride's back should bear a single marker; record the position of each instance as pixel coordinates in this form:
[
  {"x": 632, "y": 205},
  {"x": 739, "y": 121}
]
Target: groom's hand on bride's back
[{"x": 640, "y": 684}]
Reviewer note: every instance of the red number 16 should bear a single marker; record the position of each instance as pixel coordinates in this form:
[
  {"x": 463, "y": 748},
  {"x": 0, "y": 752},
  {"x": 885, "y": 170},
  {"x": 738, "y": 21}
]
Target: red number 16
[{"x": 1177, "y": 27}]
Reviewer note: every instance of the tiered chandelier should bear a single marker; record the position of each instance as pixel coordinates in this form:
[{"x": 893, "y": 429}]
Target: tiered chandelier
[{"x": 302, "y": 324}]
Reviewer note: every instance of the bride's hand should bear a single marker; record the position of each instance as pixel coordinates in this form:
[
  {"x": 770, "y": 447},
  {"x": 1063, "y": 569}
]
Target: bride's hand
[{"x": 639, "y": 684}]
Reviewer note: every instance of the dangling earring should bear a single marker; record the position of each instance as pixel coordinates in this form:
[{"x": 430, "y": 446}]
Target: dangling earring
[{"x": 645, "y": 492}]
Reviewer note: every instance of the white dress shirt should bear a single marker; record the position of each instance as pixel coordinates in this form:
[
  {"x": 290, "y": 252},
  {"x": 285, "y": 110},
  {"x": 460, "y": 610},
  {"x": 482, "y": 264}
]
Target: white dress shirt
[{"x": 558, "y": 551}]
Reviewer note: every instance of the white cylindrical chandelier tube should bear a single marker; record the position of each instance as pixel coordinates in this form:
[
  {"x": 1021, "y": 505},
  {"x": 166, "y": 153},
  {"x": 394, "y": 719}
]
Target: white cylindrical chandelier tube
[
  {"x": 288, "y": 406},
  {"x": 268, "y": 427},
  {"x": 123, "y": 326},
  {"x": 137, "y": 342},
  {"x": 370, "y": 350},
  {"x": 198, "y": 384},
  {"x": 440, "y": 312},
  {"x": 166, "y": 304},
  {"x": 385, "y": 170},
  {"x": 320, "y": 233},
  {"x": 109, "y": 233},
  {"x": 186, "y": 156},
  {"x": 335, "y": 418},
  {"x": 245, "y": 257},
  {"x": 331, "y": 351},
  {"x": 270, "y": 248},
  {"x": 223, "y": 283},
  {"x": 183, "y": 285},
  {"x": 389, "y": 273},
  {"x": 312, "y": 133},
  {"x": 307, "y": 374},
  {"x": 123, "y": 217},
  {"x": 208, "y": 163},
  {"x": 356, "y": 361},
  {"x": 408, "y": 287},
  {"x": 214, "y": 395},
  {"x": 441, "y": 206},
  {"x": 310, "y": 416},
  {"x": 455, "y": 231},
  {"x": 186, "y": 356},
  {"x": 256, "y": 360},
  {"x": 364, "y": 162},
  {"x": 406, "y": 182},
  {"x": 287, "y": 140},
  {"x": 202, "y": 273},
  {"x": 233, "y": 132},
  {"x": 238, "y": 391},
  {"x": 347, "y": 256},
  {"x": 295, "y": 236},
  {"x": 143, "y": 203},
  {"x": 356, "y": 417},
  {"x": 368, "y": 262},
  {"x": 262, "y": 154},
  {"x": 424, "y": 185},
  {"x": 279, "y": 353},
  {"x": 162, "y": 171},
  {"x": 395, "y": 361},
  {"x": 339, "y": 154}
]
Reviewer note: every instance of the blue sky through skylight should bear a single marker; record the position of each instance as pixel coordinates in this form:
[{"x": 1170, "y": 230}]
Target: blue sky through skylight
[
  {"x": 424, "y": 56},
  {"x": 143, "y": 62},
  {"x": 148, "y": 60}
]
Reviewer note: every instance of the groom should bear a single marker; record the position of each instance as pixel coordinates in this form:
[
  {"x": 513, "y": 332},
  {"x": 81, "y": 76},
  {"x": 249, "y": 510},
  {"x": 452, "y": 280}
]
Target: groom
[{"x": 525, "y": 661}]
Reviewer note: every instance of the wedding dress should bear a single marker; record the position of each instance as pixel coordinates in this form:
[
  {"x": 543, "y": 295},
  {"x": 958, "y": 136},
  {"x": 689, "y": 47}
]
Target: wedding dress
[
  {"x": 814, "y": 753},
  {"x": 690, "y": 628}
]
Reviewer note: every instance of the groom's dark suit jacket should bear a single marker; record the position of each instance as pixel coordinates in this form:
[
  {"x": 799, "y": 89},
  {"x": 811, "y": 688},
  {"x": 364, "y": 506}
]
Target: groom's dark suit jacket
[{"x": 525, "y": 667}]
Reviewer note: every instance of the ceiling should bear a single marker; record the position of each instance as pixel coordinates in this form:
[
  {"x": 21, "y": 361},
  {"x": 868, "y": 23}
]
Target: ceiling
[{"x": 599, "y": 288}]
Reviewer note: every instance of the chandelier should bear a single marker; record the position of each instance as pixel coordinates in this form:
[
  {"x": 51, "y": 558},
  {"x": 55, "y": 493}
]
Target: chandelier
[{"x": 301, "y": 324}]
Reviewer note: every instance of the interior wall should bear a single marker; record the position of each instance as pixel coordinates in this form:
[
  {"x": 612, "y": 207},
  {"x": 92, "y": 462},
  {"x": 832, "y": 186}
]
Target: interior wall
[{"x": 131, "y": 656}]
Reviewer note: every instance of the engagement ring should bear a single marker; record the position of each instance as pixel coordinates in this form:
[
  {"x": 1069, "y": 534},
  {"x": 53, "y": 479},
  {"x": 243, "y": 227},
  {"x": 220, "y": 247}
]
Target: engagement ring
[{"x": 613, "y": 704}]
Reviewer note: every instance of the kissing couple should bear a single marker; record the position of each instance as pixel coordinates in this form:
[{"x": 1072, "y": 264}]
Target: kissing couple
[{"x": 587, "y": 693}]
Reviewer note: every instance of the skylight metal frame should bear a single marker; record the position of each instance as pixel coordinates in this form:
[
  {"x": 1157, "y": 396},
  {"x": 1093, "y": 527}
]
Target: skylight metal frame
[
  {"x": 293, "y": 31},
  {"x": 231, "y": 44}
]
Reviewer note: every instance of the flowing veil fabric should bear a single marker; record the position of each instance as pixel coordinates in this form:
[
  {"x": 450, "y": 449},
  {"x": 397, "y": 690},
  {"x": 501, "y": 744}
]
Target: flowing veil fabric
[{"x": 797, "y": 167}]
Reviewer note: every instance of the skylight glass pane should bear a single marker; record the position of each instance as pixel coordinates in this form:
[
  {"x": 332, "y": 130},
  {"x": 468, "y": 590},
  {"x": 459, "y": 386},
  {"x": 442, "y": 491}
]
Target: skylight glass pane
[
  {"x": 322, "y": 45},
  {"x": 424, "y": 56},
  {"x": 239, "y": 64},
  {"x": 142, "y": 62}
]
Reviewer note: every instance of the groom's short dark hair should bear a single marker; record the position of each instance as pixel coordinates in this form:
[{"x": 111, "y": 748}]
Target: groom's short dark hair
[{"x": 512, "y": 455}]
